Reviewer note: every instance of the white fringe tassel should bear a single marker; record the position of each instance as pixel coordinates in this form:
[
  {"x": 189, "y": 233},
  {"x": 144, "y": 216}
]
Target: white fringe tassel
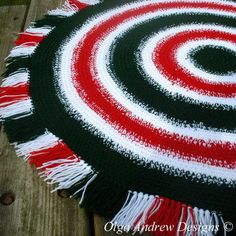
[
  {"x": 42, "y": 31},
  {"x": 17, "y": 110},
  {"x": 64, "y": 172},
  {"x": 44, "y": 141},
  {"x": 90, "y": 2},
  {"x": 138, "y": 207},
  {"x": 65, "y": 11},
  {"x": 69, "y": 9},
  {"x": 133, "y": 207},
  {"x": 21, "y": 51},
  {"x": 84, "y": 188},
  {"x": 24, "y": 50},
  {"x": 20, "y": 76},
  {"x": 67, "y": 173}
]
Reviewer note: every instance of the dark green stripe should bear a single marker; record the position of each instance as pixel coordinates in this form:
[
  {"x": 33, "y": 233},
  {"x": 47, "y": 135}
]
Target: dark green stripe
[
  {"x": 16, "y": 64},
  {"x": 217, "y": 60},
  {"x": 100, "y": 189},
  {"x": 24, "y": 129},
  {"x": 50, "y": 21},
  {"x": 125, "y": 69},
  {"x": 115, "y": 167}
]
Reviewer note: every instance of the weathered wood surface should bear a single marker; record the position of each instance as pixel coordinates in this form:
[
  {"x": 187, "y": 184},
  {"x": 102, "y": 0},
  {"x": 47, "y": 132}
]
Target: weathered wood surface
[{"x": 35, "y": 211}]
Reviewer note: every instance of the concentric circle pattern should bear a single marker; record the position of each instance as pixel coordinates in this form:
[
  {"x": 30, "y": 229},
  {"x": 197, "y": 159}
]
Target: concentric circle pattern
[
  {"x": 145, "y": 92},
  {"x": 94, "y": 92},
  {"x": 106, "y": 86}
]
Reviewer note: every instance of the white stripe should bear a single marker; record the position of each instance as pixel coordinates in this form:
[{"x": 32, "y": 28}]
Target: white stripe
[
  {"x": 20, "y": 76},
  {"x": 123, "y": 143},
  {"x": 21, "y": 51},
  {"x": 90, "y": 2},
  {"x": 138, "y": 110},
  {"x": 17, "y": 110},
  {"x": 182, "y": 56},
  {"x": 41, "y": 31},
  {"x": 134, "y": 206},
  {"x": 66, "y": 174},
  {"x": 138, "y": 204},
  {"x": 80, "y": 110},
  {"x": 43, "y": 141},
  {"x": 158, "y": 79},
  {"x": 69, "y": 9},
  {"x": 61, "y": 12}
]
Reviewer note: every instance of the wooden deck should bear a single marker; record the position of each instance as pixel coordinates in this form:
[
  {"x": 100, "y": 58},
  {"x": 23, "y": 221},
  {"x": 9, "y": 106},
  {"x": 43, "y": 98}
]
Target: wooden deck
[{"x": 35, "y": 211}]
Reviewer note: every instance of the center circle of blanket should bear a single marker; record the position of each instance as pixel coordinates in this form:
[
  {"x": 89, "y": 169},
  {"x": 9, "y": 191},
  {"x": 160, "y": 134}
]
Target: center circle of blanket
[{"x": 130, "y": 106}]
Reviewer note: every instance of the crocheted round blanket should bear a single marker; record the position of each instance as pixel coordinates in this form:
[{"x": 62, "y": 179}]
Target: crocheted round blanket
[{"x": 130, "y": 106}]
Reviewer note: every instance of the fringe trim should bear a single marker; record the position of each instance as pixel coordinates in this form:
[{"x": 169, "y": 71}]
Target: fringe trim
[
  {"x": 15, "y": 102},
  {"x": 88, "y": 2},
  {"x": 40, "y": 143},
  {"x": 16, "y": 110},
  {"x": 37, "y": 31},
  {"x": 21, "y": 51},
  {"x": 56, "y": 161},
  {"x": 14, "y": 89},
  {"x": 61, "y": 167},
  {"x": 29, "y": 39},
  {"x": 16, "y": 78},
  {"x": 70, "y": 7},
  {"x": 142, "y": 210},
  {"x": 66, "y": 173}
]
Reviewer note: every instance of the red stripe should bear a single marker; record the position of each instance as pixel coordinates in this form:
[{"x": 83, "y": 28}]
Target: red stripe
[
  {"x": 59, "y": 151},
  {"x": 168, "y": 214},
  {"x": 164, "y": 216},
  {"x": 194, "y": 221},
  {"x": 32, "y": 39},
  {"x": 11, "y": 95},
  {"x": 165, "y": 59},
  {"x": 79, "y": 5},
  {"x": 102, "y": 102},
  {"x": 29, "y": 39}
]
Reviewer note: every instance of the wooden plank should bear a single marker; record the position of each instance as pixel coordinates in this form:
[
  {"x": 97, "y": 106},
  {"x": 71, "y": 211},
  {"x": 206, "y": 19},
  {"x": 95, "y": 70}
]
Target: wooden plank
[
  {"x": 11, "y": 19},
  {"x": 35, "y": 210},
  {"x": 38, "y": 8},
  {"x": 13, "y": 2},
  {"x": 99, "y": 229}
]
